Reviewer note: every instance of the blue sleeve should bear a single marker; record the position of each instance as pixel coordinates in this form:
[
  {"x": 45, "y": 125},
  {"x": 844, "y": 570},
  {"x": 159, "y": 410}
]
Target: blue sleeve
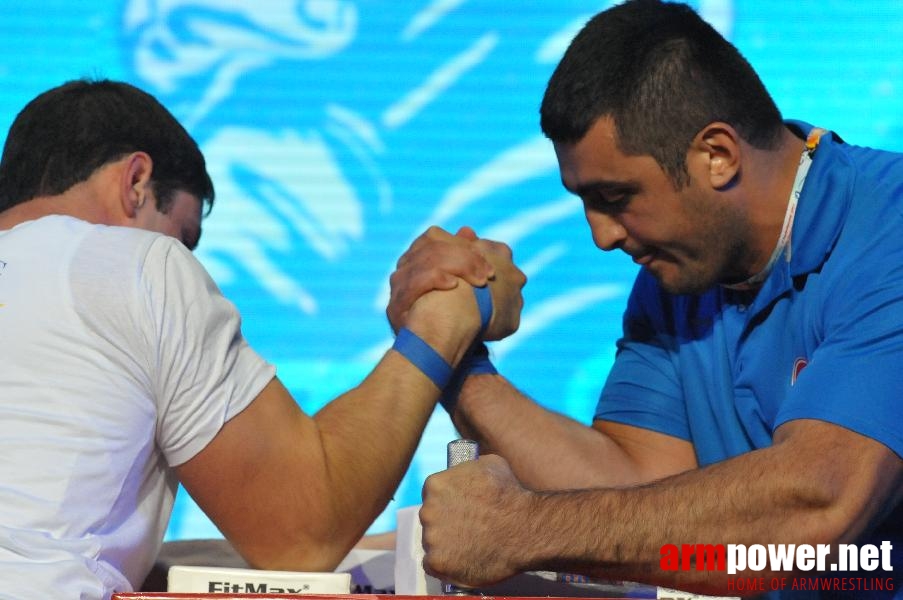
[
  {"x": 854, "y": 377},
  {"x": 643, "y": 388}
]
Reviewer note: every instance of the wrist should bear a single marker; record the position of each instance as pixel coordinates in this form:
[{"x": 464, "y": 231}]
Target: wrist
[
  {"x": 449, "y": 331},
  {"x": 436, "y": 344},
  {"x": 475, "y": 362},
  {"x": 423, "y": 356},
  {"x": 450, "y": 340},
  {"x": 521, "y": 532}
]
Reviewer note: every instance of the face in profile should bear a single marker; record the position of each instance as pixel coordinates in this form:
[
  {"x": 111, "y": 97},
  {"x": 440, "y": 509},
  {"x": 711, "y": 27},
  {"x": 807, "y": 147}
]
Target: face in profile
[{"x": 689, "y": 238}]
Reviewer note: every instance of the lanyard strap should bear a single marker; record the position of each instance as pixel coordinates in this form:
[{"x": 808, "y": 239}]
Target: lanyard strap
[{"x": 784, "y": 245}]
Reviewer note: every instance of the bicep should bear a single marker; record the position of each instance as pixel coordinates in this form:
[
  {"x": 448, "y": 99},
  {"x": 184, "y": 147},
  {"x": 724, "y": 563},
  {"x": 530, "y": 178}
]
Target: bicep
[{"x": 248, "y": 479}]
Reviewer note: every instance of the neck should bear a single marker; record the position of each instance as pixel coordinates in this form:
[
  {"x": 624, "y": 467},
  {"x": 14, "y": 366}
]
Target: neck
[
  {"x": 36, "y": 208},
  {"x": 26, "y": 211},
  {"x": 83, "y": 201},
  {"x": 777, "y": 170}
]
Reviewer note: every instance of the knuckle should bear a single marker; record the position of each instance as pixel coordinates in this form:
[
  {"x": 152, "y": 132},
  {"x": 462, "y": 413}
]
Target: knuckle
[
  {"x": 500, "y": 248},
  {"x": 434, "y": 232},
  {"x": 394, "y": 278},
  {"x": 405, "y": 257}
]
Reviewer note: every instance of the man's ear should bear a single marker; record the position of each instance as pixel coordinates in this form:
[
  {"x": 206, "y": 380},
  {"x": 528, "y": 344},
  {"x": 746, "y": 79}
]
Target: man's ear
[
  {"x": 135, "y": 182},
  {"x": 719, "y": 146}
]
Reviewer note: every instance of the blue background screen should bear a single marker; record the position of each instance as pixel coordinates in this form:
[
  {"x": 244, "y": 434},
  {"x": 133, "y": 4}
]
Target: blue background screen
[{"x": 336, "y": 131}]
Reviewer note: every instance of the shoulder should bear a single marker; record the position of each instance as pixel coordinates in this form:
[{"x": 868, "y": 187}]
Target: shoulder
[
  {"x": 127, "y": 251},
  {"x": 124, "y": 274},
  {"x": 74, "y": 254}
]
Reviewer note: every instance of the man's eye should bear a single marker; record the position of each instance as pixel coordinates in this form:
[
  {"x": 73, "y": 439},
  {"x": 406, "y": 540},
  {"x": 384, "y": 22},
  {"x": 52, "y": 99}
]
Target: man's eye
[{"x": 609, "y": 201}]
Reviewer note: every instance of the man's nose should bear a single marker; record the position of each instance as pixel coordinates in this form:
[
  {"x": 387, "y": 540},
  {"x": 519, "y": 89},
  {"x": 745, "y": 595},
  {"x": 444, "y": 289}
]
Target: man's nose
[{"x": 608, "y": 233}]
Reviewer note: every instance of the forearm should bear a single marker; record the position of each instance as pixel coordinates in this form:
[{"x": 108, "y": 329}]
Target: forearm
[
  {"x": 370, "y": 433},
  {"x": 548, "y": 450},
  {"x": 368, "y": 437},
  {"x": 619, "y": 533},
  {"x": 790, "y": 493}
]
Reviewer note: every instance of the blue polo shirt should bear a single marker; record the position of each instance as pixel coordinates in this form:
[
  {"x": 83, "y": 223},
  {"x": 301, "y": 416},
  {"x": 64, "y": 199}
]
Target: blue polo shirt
[{"x": 822, "y": 339}]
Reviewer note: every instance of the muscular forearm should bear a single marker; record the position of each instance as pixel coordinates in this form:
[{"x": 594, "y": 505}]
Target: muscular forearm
[
  {"x": 366, "y": 448},
  {"x": 803, "y": 491},
  {"x": 548, "y": 450},
  {"x": 370, "y": 433}
]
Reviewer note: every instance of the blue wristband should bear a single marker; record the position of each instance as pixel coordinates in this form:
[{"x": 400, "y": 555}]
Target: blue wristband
[
  {"x": 476, "y": 361},
  {"x": 484, "y": 303},
  {"x": 421, "y": 355}
]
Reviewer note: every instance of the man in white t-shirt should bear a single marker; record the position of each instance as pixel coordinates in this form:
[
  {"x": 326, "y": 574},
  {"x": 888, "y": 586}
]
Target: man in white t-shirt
[{"x": 124, "y": 370}]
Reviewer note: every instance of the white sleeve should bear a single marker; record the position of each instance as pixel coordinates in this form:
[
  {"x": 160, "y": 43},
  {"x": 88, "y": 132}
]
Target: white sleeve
[{"x": 203, "y": 372}]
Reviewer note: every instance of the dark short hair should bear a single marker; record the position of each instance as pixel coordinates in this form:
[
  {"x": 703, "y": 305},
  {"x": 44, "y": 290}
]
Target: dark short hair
[
  {"x": 65, "y": 134},
  {"x": 662, "y": 74}
]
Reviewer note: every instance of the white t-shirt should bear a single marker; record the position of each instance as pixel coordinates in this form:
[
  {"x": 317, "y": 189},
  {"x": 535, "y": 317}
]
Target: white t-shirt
[{"x": 119, "y": 359}]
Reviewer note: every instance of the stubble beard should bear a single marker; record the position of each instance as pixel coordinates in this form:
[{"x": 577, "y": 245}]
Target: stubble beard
[{"x": 716, "y": 262}]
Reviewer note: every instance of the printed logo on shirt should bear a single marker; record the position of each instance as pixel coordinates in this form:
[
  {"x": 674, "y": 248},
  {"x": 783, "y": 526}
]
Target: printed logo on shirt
[{"x": 798, "y": 366}]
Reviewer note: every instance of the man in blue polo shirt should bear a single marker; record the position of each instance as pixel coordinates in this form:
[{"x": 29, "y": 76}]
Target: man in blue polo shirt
[
  {"x": 756, "y": 395},
  {"x": 729, "y": 363}
]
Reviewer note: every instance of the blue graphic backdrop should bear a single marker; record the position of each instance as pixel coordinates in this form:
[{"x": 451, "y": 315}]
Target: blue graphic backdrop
[{"x": 338, "y": 130}]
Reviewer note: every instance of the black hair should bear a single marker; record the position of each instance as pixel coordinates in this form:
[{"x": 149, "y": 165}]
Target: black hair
[
  {"x": 662, "y": 74},
  {"x": 65, "y": 134}
]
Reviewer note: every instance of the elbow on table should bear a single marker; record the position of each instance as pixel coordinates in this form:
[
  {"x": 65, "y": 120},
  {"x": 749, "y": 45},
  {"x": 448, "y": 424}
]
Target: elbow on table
[{"x": 300, "y": 547}]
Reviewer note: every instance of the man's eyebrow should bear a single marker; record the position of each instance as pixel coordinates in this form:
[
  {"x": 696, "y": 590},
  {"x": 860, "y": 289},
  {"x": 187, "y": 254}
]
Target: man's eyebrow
[{"x": 601, "y": 185}]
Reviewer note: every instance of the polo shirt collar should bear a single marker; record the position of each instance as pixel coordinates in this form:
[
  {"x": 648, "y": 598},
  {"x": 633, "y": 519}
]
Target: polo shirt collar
[{"x": 823, "y": 205}]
